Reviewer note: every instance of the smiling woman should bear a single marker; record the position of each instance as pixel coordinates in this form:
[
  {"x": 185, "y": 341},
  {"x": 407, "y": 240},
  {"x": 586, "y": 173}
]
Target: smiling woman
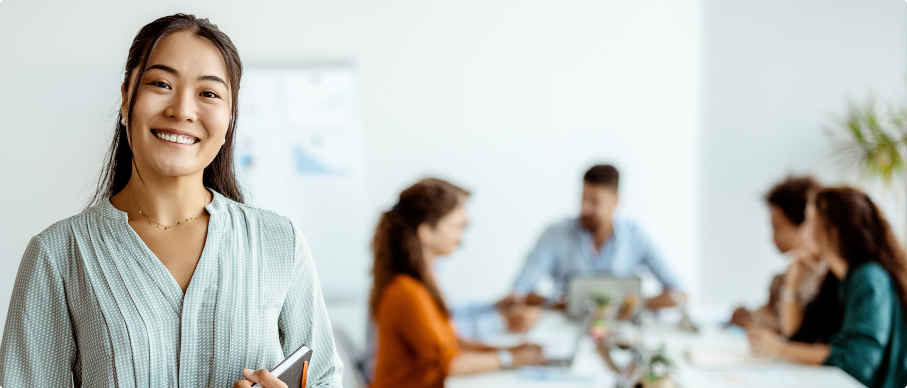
[{"x": 168, "y": 279}]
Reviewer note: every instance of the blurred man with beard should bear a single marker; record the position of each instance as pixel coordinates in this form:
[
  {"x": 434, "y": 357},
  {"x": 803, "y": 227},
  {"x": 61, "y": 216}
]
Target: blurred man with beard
[{"x": 595, "y": 243}]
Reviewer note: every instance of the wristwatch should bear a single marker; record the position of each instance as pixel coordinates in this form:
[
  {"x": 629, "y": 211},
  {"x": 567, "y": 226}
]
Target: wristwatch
[{"x": 506, "y": 358}]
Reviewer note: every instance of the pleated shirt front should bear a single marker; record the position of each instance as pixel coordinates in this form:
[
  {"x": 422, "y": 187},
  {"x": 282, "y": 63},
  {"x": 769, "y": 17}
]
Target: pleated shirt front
[{"x": 92, "y": 306}]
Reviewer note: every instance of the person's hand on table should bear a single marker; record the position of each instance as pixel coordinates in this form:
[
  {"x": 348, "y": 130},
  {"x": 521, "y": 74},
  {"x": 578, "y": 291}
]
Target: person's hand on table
[
  {"x": 534, "y": 299},
  {"x": 527, "y": 354},
  {"x": 520, "y": 312},
  {"x": 261, "y": 376},
  {"x": 764, "y": 340},
  {"x": 742, "y": 317}
]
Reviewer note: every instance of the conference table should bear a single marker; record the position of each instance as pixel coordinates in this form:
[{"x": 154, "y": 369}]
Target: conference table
[{"x": 556, "y": 334}]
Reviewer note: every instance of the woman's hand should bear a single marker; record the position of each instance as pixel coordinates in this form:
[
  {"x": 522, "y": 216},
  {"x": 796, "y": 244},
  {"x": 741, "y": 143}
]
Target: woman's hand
[
  {"x": 520, "y": 312},
  {"x": 261, "y": 376},
  {"x": 742, "y": 317},
  {"x": 527, "y": 354},
  {"x": 804, "y": 262},
  {"x": 765, "y": 341}
]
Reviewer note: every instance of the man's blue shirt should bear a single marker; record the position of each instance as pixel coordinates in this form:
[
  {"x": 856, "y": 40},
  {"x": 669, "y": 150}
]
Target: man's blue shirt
[{"x": 566, "y": 249}]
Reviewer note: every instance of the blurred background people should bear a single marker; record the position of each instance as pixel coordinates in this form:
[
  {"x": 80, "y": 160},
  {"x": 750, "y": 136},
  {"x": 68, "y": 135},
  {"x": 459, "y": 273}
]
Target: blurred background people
[
  {"x": 803, "y": 302},
  {"x": 849, "y": 231},
  {"x": 595, "y": 243},
  {"x": 417, "y": 345}
]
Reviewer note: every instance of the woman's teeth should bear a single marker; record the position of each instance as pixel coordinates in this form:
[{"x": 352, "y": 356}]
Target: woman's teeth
[{"x": 181, "y": 139}]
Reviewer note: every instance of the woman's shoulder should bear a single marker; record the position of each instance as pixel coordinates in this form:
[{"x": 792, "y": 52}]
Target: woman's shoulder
[
  {"x": 268, "y": 220},
  {"x": 869, "y": 271},
  {"x": 54, "y": 242},
  {"x": 407, "y": 284},
  {"x": 79, "y": 224},
  {"x": 869, "y": 280},
  {"x": 405, "y": 289},
  {"x": 404, "y": 294},
  {"x": 222, "y": 203}
]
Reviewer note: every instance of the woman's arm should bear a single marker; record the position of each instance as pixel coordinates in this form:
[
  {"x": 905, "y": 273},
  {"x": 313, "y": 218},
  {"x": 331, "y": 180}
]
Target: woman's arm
[
  {"x": 469, "y": 345},
  {"x": 768, "y": 342},
  {"x": 38, "y": 348},
  {"x": 810, "y": 354},
  {"x": 478, "y": 361},
  {"x": 472, "y": 361},
  {"x": 790, "y": 311},
  {"x": 859, "y": 348},
  {"x": 304, "y": 320},
  {"x": 790, "y": 316}
]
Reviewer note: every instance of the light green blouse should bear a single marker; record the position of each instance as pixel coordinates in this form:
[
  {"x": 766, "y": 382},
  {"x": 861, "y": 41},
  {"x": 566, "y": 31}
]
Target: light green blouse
[{"x": 92, "y": 306}]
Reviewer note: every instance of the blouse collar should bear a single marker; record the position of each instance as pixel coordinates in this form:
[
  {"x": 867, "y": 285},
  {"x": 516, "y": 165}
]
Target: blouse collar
[{"x": 106, "y": 209}]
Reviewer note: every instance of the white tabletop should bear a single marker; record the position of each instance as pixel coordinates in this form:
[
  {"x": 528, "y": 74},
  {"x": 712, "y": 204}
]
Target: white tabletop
[{"x": 589, "y": 370}]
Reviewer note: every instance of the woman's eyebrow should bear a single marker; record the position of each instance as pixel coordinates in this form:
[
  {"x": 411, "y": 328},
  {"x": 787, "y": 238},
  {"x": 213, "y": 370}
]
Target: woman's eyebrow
[
  {"x": 212, "y": 78},
  {"x": 164, "y": 68},
  {"x": 173, "y": 71}
]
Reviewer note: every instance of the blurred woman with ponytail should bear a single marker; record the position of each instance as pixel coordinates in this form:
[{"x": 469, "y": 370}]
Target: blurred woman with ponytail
[
  {"x": 850, "y": 232},
  {"x": 417, "y": 345}
]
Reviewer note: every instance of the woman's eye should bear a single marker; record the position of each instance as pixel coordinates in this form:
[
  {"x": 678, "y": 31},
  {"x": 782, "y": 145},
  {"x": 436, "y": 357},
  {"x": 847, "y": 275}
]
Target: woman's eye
[
  {"x": 209, "y": 94},
  {"x": 160, "y": 84}
]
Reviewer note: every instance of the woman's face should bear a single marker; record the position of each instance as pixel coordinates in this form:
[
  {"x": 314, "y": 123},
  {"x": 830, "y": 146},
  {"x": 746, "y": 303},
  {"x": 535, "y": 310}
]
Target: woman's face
[
  {"x": 443, "y": 238},
  {"x": 182, "y": 107},
  {"x": 786, "y": 235}
]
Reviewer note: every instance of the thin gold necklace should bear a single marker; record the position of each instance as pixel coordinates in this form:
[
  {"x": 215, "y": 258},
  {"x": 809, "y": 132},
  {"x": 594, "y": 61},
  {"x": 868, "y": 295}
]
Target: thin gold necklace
[{"x": 160, "y": 226}]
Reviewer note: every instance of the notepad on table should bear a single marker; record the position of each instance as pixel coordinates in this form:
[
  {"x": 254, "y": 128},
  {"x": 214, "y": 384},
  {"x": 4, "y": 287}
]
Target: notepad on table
[{"x": 293, "y": 369}]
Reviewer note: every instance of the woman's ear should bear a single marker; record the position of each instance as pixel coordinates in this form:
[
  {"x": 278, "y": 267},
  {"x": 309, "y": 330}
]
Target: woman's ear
[
  {"x": 125, "y": 102},
  {"x": 425, "y": 233},
  {"x": 124, "y": 94},
  {"x": 123, "y": 110}
]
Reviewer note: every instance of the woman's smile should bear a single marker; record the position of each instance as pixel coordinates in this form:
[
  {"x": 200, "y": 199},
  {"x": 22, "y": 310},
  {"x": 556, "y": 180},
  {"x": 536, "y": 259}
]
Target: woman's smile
[{"x": 170, "y": 136}]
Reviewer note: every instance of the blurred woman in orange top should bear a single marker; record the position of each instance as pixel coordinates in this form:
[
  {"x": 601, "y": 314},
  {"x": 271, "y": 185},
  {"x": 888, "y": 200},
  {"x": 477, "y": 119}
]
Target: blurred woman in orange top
[{"x": 417, "y": 345}]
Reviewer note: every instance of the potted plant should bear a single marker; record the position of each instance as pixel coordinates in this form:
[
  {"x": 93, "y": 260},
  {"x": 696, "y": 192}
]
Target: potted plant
[
  {"x": 603, "y": 306},
  {"x": 657, "y": 373},
  {"x": 872, "y": 141}
]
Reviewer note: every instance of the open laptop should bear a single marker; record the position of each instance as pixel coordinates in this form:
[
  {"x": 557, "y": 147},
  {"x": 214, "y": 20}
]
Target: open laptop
[{"x": 583, "y": 289}]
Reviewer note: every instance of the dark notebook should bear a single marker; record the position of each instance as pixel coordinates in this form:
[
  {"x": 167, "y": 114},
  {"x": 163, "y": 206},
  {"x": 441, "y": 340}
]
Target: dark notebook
[{"x": 293, "y": 369}]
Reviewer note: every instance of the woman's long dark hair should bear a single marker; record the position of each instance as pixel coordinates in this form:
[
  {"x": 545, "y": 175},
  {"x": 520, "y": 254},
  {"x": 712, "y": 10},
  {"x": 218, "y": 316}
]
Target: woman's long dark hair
[
  {"x": 396, "y": 246},
  {"x": 863, "y": 234},
  {"x": 219, "y": 175}
]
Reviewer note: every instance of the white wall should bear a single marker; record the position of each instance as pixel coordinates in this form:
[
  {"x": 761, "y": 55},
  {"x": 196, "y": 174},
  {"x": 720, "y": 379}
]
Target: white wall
[
  {"x": 512, "y": 99},
  {"x": 777, "y": 74}
]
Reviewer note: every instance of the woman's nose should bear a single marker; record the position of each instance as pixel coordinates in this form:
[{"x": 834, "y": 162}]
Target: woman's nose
[{"x": 182, "y": 107}]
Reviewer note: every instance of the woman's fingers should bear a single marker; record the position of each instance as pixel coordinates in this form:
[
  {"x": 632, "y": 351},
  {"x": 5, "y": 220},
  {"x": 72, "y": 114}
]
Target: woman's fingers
[
  {"x": 267, "y": 380},
  {"x": 250, "y": 375},
  {"x": 242, "y": 384},
  {"x": 261, "y": 376},
  {"x": 527, "y": 354}
]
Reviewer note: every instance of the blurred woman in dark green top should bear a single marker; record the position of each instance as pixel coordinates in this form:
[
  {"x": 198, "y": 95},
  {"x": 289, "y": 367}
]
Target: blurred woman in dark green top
[{"x": 851, "y": 233}]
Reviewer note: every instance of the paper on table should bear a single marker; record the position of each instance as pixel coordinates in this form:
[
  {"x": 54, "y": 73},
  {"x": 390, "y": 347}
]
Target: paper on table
[{"x": 724, "y": 357}]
